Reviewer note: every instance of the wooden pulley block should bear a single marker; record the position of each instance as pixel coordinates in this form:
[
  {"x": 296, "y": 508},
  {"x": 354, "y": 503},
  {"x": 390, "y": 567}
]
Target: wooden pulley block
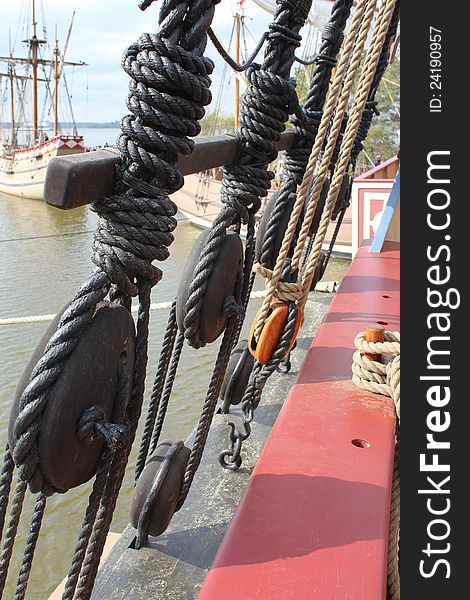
[
  {"x": 280, "y": 229},
  {"x": 271, "y": 333},
  {"x": 343, "y": 198},
  {"x": 157, "y": 490},
  {"x": 89, "y": 378},
  {"x": 237, "y": 374},
  {"x": 319, "y": 270},
  {"x": 224, "y": 281},
  {"x": 320, "y": 206}
]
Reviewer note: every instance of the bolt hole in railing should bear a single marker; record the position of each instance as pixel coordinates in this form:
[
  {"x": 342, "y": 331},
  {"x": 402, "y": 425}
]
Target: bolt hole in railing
[
  {"x": 385, "y": 296},
  {"x": 360, "y": 443},
  {"x": 382, "y": 323}
]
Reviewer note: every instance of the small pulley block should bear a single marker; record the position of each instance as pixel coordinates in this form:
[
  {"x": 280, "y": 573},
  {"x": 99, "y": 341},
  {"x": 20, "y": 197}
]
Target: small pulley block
[
  {"x": 89, "y": 378},
  {"x": 277, "y": 235},
  {"x": 319, "y": 270},
  {"x": 270, "y": 336},
  {"x": 157, "y": 490},
  {"x": 238, "y": 371},
  {"x": 319, "y": 209},
  {"x": 224, "y": 282}
]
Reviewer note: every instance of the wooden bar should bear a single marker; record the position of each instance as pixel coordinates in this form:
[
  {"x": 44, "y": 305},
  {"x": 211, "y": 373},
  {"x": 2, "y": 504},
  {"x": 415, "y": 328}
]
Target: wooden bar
[{"x": 81, "y": 179}]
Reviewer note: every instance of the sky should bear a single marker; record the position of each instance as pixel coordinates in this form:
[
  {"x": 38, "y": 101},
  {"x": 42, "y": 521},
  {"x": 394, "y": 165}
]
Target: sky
[{"x": 102, "y": 31}]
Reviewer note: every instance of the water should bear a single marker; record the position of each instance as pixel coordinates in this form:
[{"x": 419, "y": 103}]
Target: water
[
  {"x": 95, "y": 137},
  {"x": 44, "y": 257}
]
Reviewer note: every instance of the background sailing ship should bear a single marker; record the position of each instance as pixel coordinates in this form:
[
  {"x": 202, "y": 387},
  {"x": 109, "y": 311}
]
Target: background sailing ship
[{"x": 28, "y": 139}]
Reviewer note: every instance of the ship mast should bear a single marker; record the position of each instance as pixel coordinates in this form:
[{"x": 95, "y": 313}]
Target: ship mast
[
  {"x": 34, "y": 44},
  {"x": 238, "y": 21},
  {"x": 12, "y": 95},
  {"x": 56, "y": 87}
]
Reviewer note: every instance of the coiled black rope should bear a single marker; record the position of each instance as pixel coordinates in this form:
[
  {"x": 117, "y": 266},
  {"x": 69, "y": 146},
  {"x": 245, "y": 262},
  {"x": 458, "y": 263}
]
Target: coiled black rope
[
  {"x": 168, "y": 92},
  {"x": 267, "y": 103}
]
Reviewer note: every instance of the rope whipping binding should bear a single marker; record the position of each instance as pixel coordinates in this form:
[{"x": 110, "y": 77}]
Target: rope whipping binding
[
  {"x": 335, "y": 108},
  {"x": 267, "y": 103},
  {"x": 170, "y": 80},
  {"x": 383, "y": 377}
]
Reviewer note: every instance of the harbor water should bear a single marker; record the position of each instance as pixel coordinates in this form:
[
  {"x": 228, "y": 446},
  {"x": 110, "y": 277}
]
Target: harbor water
[{"x": 45, "y": 255}]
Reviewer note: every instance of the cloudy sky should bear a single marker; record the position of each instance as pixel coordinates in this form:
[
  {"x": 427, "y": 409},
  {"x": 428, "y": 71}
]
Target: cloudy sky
[{"x": 102, "y": 31}]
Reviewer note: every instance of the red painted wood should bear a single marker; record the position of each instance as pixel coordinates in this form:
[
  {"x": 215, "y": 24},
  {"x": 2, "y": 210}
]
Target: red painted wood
[{"x": 313, "y": 523}]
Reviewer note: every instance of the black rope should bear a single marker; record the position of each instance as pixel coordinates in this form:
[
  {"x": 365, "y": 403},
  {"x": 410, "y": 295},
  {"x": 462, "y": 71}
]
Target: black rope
[
  {"x": 231, "y": 457},
  {"x": 167, "y": 392},
  {"x": 155, "y": 397},
  {"x": 168, "y": 92},
  {"x": 10, "y": 534},
  {"x": 30, "y": 547},
  {"x": 307, "y": 122},
  {"x": 268, "y": 101},
  {"x": 87, "y": 526},
  {"x": 228, "y": 59},
  {"x": 306, "y": 125},
  {"x": 6, "y": 477},
  {"x": 208, "y": 409}
]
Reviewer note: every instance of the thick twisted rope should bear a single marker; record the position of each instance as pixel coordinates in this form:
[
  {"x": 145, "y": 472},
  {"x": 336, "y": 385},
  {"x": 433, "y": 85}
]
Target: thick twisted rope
[
  {"x": 169, "y": 88},
  {"x": 379, "y": 378},
  {"x": 367, "y": 75},
  {"x": 6, "y": 477},
  {"x": 376, "y": 376},
  {"x": 30, "y": 547},
  {"x": 267, "y": 103},
  {"x": 306, "y": 123},
  {"x": 10, "y": 533},
  {"x": 266, "y": 106},
  {"x": 271, "y": 285},
  {"x": 162, "y": 370},
  {"x": 371, "y": 106}
]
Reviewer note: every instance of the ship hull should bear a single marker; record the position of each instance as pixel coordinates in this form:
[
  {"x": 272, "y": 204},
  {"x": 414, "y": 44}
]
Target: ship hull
[
  {"x": 200, "y": 202},
  {"x": 23, "y": 174}
]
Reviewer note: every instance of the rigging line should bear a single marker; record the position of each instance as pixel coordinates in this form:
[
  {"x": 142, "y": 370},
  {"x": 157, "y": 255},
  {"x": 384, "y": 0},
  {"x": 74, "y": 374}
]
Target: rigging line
[
  {"x": 394, "y": 104},
  {"x": 226, "y": 56},
  {"x": 306, "y": 63},
  {"x": 65, "y": 233},
  {"x": 368, "y": 157}
]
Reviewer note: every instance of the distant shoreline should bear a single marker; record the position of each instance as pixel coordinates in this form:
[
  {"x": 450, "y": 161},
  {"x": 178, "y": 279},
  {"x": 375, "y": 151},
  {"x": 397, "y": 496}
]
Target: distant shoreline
[{"x": 79, "y": 125}]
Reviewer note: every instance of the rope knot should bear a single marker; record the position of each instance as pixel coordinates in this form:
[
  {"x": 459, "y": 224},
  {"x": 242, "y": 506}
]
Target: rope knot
[
  {"x": 285, "y": 291},
  {"x": 94, "y": 424}
]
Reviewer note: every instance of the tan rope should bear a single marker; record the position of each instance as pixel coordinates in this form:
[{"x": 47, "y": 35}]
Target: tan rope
[
  {"x": 339, "y": 114},
  {"x": 370, "y": 65},
  {"x": 285, "y": 291},
  {"x": 380, "y": 378},
  {"x": 333, "y": 94}
]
